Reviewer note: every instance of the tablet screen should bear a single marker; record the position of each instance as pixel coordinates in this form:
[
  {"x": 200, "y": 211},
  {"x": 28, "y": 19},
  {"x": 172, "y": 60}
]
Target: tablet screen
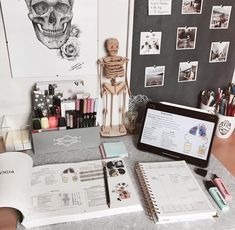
[{"x": 178, "y": 132}]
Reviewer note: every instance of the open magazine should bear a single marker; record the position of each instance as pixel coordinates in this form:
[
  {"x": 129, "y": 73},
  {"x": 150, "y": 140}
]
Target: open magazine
[{"x": 56, "y": 193}]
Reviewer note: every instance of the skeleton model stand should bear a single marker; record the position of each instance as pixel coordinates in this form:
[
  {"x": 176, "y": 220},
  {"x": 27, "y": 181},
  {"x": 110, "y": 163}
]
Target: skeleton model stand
[{"x": 113, "y": 67}]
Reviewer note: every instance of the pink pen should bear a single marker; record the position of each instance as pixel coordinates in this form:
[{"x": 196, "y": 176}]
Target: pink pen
[{"x": 222, "y": 188}]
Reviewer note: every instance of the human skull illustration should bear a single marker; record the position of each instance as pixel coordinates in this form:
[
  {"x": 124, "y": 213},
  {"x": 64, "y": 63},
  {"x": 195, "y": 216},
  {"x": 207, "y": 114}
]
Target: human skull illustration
[{"x": 51, "y": 20}]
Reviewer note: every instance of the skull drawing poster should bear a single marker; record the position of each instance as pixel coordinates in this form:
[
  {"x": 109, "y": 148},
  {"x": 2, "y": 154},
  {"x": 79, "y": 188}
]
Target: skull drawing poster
[{"x": 48, "y": 38}]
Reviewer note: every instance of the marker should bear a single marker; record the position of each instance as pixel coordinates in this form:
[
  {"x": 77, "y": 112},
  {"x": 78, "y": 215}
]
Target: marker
[
  {"x": 222, "y": 188},
  {"x": 62, "y": 123},
  {"x": 216, "y": 195},
  {"x": 44, "y": 123}
]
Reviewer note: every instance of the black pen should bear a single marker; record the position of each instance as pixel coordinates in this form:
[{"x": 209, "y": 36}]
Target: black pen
[{"x": 106, "y": 186}]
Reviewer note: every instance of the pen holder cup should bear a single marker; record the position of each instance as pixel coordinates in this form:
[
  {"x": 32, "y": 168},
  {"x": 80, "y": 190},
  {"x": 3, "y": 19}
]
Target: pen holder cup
[
  {"x": 225, "y": 126},
  {"x": 210, "y": 109}
]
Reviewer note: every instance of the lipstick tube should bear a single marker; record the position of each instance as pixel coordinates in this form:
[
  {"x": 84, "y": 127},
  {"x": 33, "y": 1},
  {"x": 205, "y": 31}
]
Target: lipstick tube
[
  {"x": 222, "y": 188},
  {"x": 216, "y": 195}
]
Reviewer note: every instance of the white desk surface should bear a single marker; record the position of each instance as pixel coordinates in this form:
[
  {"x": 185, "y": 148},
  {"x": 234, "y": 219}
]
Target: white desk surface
[{"x": 139, "y": 220}]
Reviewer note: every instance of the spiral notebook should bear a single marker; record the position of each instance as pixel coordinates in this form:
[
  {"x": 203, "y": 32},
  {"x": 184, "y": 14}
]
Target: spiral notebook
[{"x": 172, "y": 193}]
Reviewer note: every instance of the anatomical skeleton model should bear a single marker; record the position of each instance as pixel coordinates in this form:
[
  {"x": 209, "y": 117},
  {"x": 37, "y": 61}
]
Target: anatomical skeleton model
[{"x": 113, "y": 67}]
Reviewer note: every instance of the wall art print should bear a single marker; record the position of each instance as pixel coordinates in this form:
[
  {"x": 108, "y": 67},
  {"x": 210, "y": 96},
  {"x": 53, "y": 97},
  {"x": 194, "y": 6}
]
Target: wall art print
[{"x": 51, "y": 38}]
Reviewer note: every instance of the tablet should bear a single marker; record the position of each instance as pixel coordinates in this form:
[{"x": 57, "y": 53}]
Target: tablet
[{"x": 177, "y": 131}]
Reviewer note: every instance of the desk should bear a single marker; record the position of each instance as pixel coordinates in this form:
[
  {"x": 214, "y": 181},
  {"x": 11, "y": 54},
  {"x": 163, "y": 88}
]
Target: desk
[
  {"x": 224, "y": 151},
  {"x": 139, "y": 220}
]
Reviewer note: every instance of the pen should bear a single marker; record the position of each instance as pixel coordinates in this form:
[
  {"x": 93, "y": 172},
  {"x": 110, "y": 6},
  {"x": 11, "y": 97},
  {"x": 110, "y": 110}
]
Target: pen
[
  {"x": 106, "y": 186},
  {"x": 216, "y": 195}
]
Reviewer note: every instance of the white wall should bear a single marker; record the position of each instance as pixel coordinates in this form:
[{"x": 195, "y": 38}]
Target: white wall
[{"x": 15, "y": 94}]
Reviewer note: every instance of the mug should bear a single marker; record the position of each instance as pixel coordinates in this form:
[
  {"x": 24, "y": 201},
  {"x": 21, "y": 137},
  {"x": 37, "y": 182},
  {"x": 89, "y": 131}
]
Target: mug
[{"x": 225, "y": 126}]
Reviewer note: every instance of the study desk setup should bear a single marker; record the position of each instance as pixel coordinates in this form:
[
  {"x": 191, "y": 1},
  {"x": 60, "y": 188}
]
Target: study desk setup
[
  {"x": 139, "y": 220},
  {"x": 213, "y": 184},
  {"x": 77, "y": 179}
]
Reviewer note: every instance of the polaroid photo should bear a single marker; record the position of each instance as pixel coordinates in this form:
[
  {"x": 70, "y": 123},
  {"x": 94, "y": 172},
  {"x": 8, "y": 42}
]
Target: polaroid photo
[
  {"x": 192, "y": 6},
  {"x": 150, "y": 42},
  {"x": 154, "y": 76},
  {"x": 219, "y": 52},
  {"x": 188, "y": 71},
  {"x": 159, "y": 7},
  {"x": 186, "y": 38},
  {"x": 220, "y": 16}
]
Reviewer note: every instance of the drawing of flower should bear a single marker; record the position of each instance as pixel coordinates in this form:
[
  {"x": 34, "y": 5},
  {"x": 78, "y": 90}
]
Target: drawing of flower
[
  {"x": 74, "y": 31},
  {"x": 70, "y": 50}
]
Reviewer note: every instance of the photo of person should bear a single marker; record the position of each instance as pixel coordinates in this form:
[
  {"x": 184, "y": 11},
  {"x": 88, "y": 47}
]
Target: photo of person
[
  {"x": 188, "y": 71},
  {"x": 150, "y": 43},
  {"x": 186, "y": 38},
  {"x": 192, "y": 6},
  {"x": 220, "y": 16},
  {"x": 154, "y": 76},
  {"x": 219, "y": 51}
]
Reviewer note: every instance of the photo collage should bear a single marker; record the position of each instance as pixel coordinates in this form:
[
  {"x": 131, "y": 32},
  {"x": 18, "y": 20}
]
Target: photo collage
[{"x": 186, "y": 40}]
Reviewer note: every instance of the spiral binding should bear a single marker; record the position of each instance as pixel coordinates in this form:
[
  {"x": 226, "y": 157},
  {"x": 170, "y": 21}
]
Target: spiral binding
[{"x": 148, "y": 196}]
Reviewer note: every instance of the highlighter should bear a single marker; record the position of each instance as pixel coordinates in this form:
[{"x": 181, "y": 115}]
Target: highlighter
[
  {"x": 222, "y": 188},
  {"x": 44, "y": 123},
  {"x": 216, "y": 195}
]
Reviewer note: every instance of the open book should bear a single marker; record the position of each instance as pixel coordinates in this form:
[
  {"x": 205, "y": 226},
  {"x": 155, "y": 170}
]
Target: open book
[
  {"x": 172, "y": 193},
  {"x": 65, "y": 192}
]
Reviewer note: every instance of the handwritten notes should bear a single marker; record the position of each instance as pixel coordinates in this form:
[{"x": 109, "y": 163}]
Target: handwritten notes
[{"x": 159, "y": 7}]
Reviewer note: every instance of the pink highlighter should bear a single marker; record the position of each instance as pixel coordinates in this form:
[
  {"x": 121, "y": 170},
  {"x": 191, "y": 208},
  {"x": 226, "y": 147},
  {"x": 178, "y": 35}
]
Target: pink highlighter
[{"x": 222, "y": 188}]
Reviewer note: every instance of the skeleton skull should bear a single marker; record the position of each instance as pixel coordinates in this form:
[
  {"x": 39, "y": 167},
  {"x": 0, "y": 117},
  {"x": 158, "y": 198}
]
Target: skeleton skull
[
  {"x": 112, "y": 46},
  {"x": 51, "y": 20}
]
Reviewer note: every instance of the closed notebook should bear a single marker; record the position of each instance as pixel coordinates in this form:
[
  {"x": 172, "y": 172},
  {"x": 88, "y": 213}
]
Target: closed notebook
[
  {"x": 113, "y": 149},
  {"x": 172, "y": 193}
]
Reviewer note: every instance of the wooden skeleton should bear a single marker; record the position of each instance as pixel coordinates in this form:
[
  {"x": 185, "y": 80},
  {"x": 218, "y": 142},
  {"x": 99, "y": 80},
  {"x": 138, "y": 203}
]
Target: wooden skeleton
[{"x": 113, "y": 67}]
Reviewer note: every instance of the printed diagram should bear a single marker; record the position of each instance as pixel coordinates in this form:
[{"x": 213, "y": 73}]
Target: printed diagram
[
  {"x": 186, "y": 38},
  {"x": 69, "y": 175},
  {"x": 220, "y": 16},
  {"x": 219, "y": 51},
  {"x": 150, "y": 43},
  {"x": 70, "y": 199},
  {"x": 122, "y": 190},
  {"x": 52, "y": 23},
  {"x": 192, "y": 137}
]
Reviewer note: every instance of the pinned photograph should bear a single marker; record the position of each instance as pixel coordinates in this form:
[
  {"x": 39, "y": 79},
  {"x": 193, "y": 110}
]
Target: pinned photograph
[
  {"x": 186, "y": 38},
  {"x": 188, "y": 71},
  {"x": 219, "y": 51},
  {"x": 220, "y": 16},
  {"x": 154, "y": 76},
  {"x": 192, "y": 6},
  {"x": 150, "y": 43}
]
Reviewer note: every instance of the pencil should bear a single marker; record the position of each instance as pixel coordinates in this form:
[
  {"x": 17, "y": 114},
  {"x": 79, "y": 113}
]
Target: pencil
[{"x": 106, "y": 186}]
